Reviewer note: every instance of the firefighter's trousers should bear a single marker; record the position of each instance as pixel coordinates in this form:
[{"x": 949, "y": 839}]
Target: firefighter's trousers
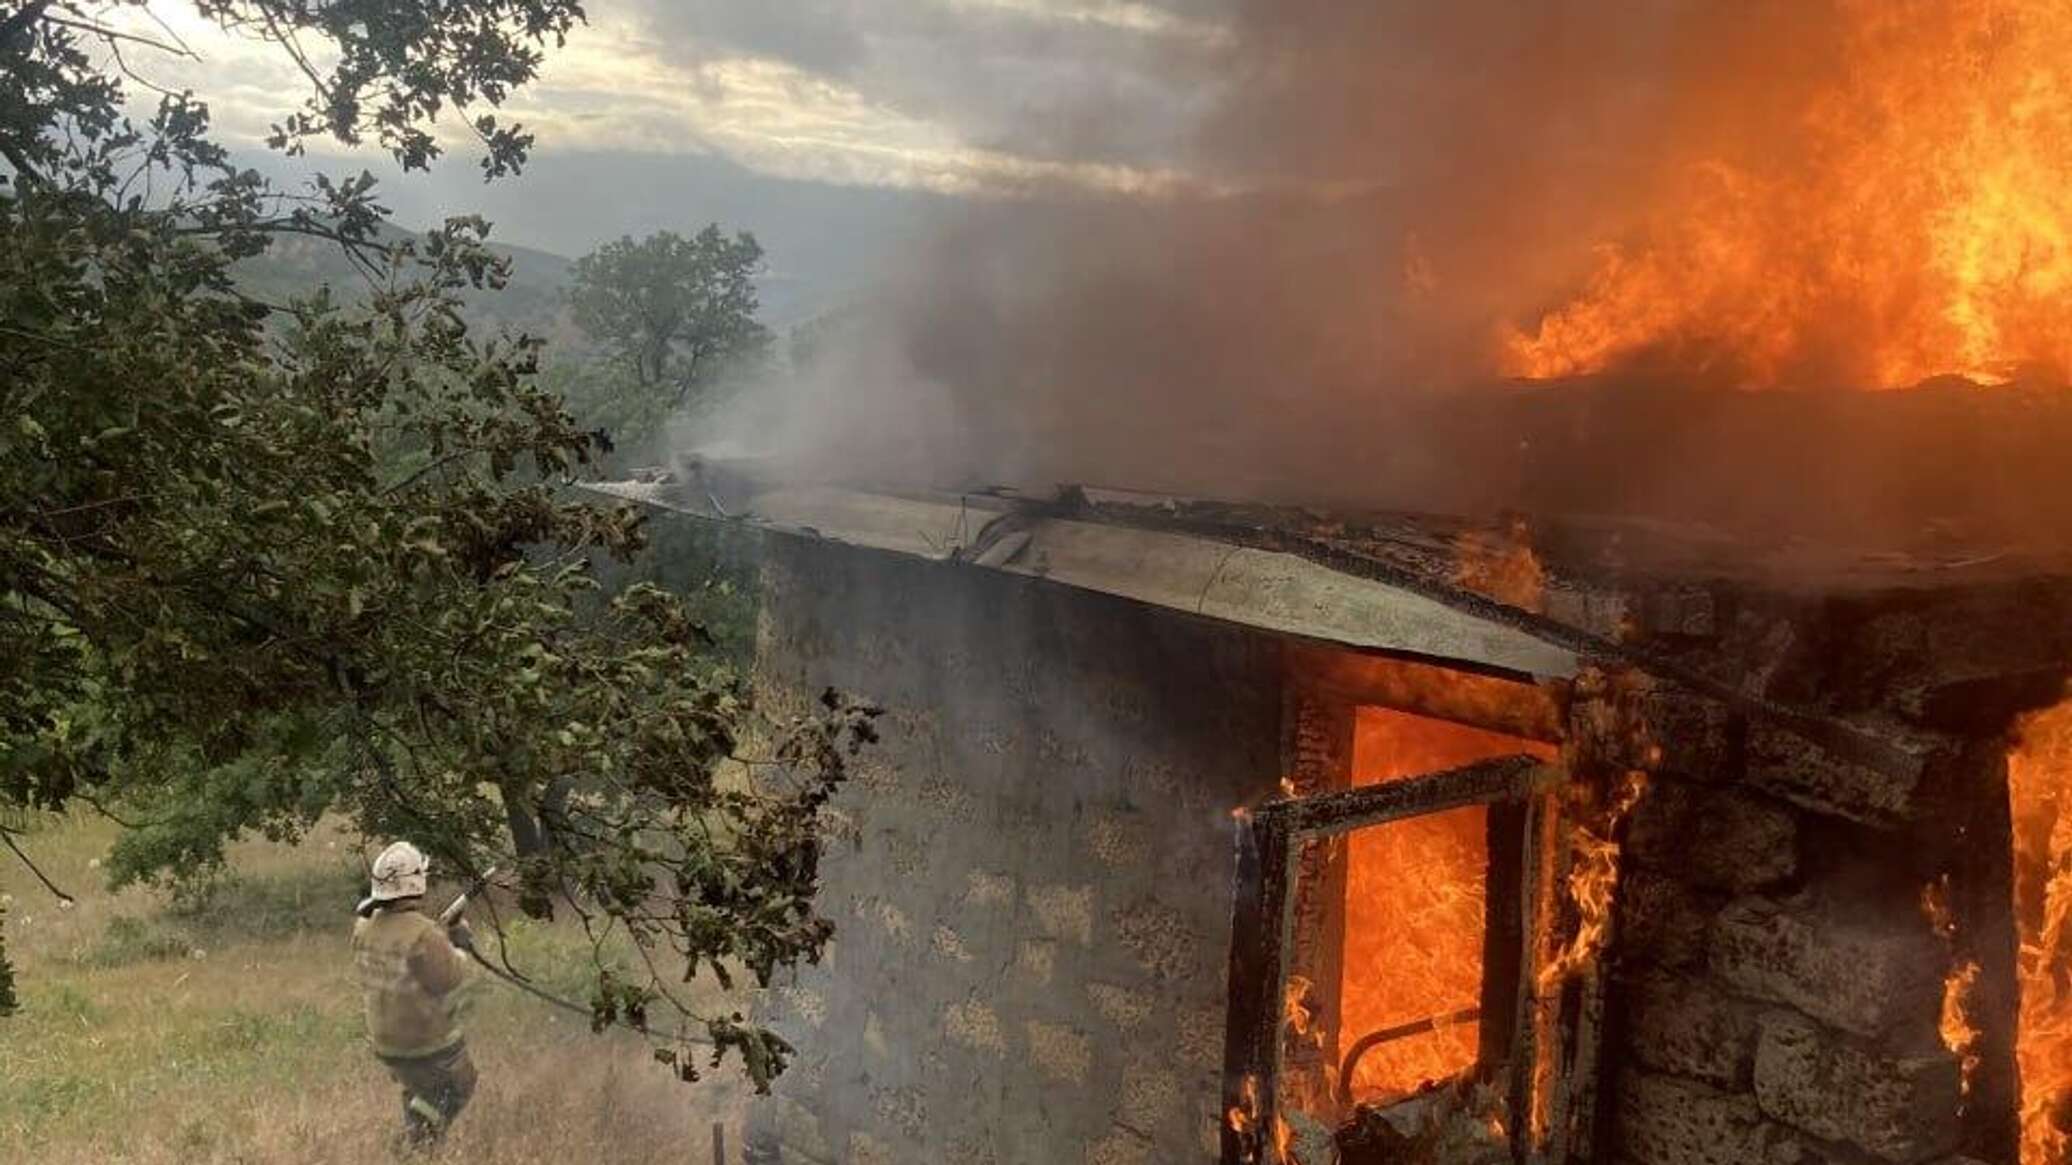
[{"x": 435, "y": 1089}]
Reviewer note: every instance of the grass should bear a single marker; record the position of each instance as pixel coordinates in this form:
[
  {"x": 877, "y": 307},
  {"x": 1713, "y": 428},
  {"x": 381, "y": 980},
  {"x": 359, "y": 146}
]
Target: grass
[{"x": 225, "y": 1028}]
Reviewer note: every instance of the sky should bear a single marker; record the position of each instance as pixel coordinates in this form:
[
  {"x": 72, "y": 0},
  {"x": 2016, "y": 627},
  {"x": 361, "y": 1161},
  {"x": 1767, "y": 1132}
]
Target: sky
[
  {"x": 1234, "y": 248},
  {"x": 835, "y": 129}
]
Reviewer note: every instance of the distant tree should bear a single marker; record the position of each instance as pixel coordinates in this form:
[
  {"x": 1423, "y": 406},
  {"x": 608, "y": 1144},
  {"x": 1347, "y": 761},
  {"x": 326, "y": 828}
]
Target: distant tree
[
  {"x": 675, "y": 311},
  {"x": 261, "y": 562},
  {"x": 809, "y": 341}
]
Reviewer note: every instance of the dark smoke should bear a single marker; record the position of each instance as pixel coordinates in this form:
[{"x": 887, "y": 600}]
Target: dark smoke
[{"x": 1397, "y": 180}]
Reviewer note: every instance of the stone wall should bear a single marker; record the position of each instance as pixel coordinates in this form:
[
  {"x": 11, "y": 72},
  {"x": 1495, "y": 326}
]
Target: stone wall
[
  {"x": 1032, "y": 875},
  {"x": 1777, "y": 984},
  {"x": 1032, "y": 880}
]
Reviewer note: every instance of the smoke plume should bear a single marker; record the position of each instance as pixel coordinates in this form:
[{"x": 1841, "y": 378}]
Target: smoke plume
[{"x": 1384, "y": 196}]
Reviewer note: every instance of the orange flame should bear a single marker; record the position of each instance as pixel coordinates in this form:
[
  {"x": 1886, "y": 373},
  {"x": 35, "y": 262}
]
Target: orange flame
[
  {"x": 1915, "y": 220},
  {"x": 1959, "y": 1034},
  {"x": 1415, "y": 909},
  {"x": 1502, "y": 566},
  {"x": 1284, "y": 1143},
  {"x": 2039, "y": 782},
  {"x": 1299, "y": 1010},
  {"x": 1243, "y": 1117},
  {"x": 1593, "y": 880}
]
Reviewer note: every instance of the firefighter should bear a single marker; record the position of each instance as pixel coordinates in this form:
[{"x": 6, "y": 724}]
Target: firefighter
[{"x": 411, "y": 970}]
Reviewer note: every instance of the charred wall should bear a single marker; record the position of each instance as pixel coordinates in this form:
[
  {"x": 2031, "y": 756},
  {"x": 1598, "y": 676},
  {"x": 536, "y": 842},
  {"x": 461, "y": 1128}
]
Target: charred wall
[
  {"x": 1032, "y": 874},
  {"x": 1777, "y": 979}
]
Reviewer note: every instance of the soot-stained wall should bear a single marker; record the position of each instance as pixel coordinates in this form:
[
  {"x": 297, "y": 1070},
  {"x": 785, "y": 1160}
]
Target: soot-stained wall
[{"x": 1031, "y": 875}]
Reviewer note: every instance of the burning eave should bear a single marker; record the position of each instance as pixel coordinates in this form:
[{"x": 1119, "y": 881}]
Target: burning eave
[{"x": 1968, "y": 639}]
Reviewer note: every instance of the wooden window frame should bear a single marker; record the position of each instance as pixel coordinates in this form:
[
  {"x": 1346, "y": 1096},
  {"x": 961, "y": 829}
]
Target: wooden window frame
[{"x": 1272, "y": 841}]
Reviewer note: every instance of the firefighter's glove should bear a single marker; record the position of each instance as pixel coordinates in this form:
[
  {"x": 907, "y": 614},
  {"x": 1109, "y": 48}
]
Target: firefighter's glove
[{"x": 462, "y": 936}]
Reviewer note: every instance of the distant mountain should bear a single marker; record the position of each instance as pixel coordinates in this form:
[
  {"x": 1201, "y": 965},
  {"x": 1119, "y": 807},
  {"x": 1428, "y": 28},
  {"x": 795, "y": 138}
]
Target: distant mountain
[
  {"x": 826, "y": 243},
  {"x": 532, "y": 301},
  {"x": 298, "y": 265}
]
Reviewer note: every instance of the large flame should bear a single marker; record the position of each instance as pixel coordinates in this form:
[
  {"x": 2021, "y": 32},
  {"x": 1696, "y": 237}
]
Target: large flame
[
  {"x": 1910, "y": 217},
  {"x": 2039, "y": 780},
  {"x": 1415, "y": 905}
]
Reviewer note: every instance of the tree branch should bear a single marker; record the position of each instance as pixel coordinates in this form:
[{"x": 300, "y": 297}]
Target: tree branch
[
  {"x": 7, "y": 837},
  {"x": 95, "y": 804},
  {"x": 286, "y": 38},
  {"x": 112, "y": 35}
]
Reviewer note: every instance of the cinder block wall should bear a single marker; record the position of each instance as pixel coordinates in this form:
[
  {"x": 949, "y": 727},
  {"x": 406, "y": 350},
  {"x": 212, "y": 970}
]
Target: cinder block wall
[{"x": 1032, "y": 875}]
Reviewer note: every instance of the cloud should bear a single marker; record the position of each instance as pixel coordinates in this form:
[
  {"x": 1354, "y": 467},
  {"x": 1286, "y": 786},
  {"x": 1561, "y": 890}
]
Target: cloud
[
  {"x": 964, "y": 97},
  {"x": 779, "y": 119},
  {"x": 1120, "y": 83}
]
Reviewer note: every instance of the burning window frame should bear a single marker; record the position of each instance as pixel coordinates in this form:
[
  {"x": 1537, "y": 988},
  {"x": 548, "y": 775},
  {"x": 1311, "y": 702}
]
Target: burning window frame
[{"x": 1539, "y": 1019}]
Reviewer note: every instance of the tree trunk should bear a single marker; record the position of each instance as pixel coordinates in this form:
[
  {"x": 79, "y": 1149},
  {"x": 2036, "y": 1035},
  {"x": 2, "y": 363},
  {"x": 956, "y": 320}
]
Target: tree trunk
[{"x": 527, "y": 838}]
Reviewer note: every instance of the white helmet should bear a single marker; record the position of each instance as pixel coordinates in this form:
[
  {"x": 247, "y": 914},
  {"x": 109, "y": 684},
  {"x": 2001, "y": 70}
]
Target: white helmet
[{"x": 399, "y": 873}]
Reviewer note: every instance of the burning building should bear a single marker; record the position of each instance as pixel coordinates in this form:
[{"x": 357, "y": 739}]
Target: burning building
[
  {"x": 1258, "y": 834},
  {"x": 1221, "y": 833}
]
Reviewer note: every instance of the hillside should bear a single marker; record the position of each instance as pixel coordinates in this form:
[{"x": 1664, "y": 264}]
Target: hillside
[
  {"x": 297, "y": 265},
  {"x": 531, "y": 302}
]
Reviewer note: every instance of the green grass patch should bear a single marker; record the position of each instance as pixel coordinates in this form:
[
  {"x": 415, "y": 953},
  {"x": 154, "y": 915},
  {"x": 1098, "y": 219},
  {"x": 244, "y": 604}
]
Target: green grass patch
[
  {"x": 273, "y": 905},
  {"x": 258, "y": 1031},
  {"x": 127, "y": 940},
  {"x": 129, "y": 1048},
  {"x": 68, "y": 1003},
  {"x": 556, "y": 959},
  {"x": 232, "y": 909},
  {"x": 37, "y": 1099}
]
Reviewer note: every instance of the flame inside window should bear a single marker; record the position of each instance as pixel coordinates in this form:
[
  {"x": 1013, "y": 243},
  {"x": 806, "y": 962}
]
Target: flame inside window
[{"x": 1415, "y": 911}]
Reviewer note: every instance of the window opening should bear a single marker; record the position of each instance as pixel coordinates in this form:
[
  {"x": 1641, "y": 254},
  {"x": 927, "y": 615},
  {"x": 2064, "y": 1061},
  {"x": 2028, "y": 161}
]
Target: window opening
[{"x": 1378, "y": 957}]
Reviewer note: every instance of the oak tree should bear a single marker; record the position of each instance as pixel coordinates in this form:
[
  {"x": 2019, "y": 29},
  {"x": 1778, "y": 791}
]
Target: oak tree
[
  {"x": 675, "y": 311},
  {"x": 262, "y": 562}
]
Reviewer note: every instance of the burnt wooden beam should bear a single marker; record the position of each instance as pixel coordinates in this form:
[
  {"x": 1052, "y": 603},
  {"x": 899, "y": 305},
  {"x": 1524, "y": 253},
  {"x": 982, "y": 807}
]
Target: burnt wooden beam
[
  {"x": 1543, "y": 862},
  {"x": 1533, "y": 711},
  {"x": 1253, "y": 1025},
  {"x": 1317, "y": 756},
  {"x": 1504, "y": 934},
  {"x": 1982, "y": 881},
  {"x": 1510, "y": 778}
]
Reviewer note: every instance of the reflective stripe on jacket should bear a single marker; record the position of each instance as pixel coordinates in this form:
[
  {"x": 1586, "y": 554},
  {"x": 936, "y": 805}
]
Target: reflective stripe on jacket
[{"x": 409, "y": 974}]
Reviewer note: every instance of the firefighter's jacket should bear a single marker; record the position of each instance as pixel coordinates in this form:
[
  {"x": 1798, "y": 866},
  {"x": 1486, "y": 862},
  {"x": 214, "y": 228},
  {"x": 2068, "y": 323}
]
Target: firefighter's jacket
[{"x": 410, "y": 978}]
